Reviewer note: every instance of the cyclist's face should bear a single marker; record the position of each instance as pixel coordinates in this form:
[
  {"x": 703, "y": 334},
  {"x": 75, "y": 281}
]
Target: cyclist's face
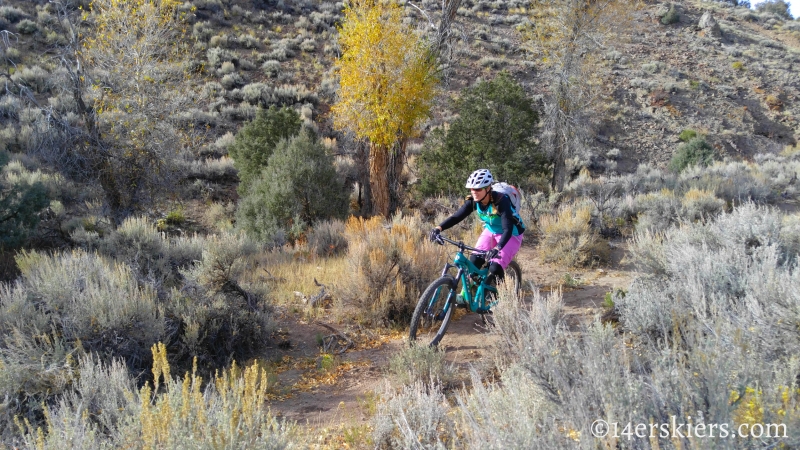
[{"x": 478, "y": 194}]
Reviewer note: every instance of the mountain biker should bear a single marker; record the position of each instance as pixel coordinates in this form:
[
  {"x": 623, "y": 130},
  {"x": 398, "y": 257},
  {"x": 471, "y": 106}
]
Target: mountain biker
[{"x": 502, "y": 226}]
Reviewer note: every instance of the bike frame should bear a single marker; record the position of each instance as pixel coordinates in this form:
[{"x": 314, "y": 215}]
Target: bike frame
[{"x": 465, "y": 271}]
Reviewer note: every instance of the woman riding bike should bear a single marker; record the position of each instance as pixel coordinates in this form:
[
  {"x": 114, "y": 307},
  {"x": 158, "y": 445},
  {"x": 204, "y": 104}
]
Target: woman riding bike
[{"x": 502, "y": 226}]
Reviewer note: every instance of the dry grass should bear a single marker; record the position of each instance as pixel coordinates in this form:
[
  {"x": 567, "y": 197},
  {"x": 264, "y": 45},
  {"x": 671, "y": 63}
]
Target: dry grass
[
  {"x": 291, "y": 278},
  {"x": 376, "y": 283},
  {"x": 568, "y": 238}
]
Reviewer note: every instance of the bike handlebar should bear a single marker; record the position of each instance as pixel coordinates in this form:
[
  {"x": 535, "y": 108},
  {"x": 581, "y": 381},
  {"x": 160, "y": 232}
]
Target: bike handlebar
[{"x": 461, "y": 246}]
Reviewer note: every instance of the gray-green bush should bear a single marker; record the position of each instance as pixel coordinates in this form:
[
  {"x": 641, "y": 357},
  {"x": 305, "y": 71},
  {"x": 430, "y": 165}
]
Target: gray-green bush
[
  {"x": 222, "y": 317},
  {"x": 671, "y": 16},
  {"x": 692, "y": 153},
  {"x": 419, "y": 364},
  {"x": 106, "y": 410},
  {"x": 256, "y": 141},
  {"x": 298, "y": 187},
  {"x": 414, "y": 417},
  {"x": 22, "y": 198},
  {"x": 779, "y": 7},
  {"x": 187, "y": 292},
  {"x": 327, "y": 238},
  {"x": 707, "y": 335},
  {"x": 65, "y": 304}
]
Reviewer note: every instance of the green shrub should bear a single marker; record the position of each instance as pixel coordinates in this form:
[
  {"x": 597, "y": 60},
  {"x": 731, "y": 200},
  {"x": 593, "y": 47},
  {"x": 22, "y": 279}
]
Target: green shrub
[
  {"x": 256, "y": 140},
  {"x": 298, "y": 187},
  {"x": 26, "y": 26},
  {"x": 671, "y": 16},
  {"x": 175, "y": 217},
  {"x": 687, "y": 135},
  {"x": 21, "y": 200},
  {"x": 696, "y": 152},
  {"x": 495, "y": 129}
]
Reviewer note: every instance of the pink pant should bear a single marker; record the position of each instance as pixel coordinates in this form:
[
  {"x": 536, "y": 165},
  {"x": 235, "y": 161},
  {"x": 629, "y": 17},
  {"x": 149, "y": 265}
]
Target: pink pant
[{"x": 488, "y": 240}]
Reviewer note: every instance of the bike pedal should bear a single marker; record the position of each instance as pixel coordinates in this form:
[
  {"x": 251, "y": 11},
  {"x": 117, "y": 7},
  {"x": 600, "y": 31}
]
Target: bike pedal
[
  {"x": 484, "y": 311},
  {"x": 439, "y": 316}
]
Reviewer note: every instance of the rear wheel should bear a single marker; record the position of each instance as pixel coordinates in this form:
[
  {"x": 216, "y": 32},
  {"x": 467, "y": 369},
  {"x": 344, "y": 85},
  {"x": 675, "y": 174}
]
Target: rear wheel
[
  {"x": 514, "y": 275},
  {"x": 433, "y": 312}
]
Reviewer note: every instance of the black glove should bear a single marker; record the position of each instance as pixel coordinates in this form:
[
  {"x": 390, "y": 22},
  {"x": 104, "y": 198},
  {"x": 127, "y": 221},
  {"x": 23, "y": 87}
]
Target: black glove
[
  {"x": 433, "y": 235},
  {"x": 491, "y": 254}
]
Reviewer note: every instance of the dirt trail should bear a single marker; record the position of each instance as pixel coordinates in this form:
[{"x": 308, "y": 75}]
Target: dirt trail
[{"x": 326, "y": 407}]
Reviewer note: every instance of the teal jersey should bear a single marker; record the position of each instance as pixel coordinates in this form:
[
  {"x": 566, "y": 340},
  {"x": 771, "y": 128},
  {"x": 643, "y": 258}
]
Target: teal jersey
[
  {"x": 498, "y": 216},
  {"x": 492, "y": 220}
]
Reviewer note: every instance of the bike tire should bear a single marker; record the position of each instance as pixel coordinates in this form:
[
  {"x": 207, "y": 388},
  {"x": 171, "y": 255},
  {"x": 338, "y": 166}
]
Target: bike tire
[
  {"x": 424, "y": 329},
  {"x": 514, "y": 272}
]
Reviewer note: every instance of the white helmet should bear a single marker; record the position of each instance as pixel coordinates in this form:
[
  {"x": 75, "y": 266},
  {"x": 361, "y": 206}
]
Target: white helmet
[{"x": 480, "y": 179}]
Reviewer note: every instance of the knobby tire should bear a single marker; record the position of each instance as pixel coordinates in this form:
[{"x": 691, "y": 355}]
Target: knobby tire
[{"x": 423, "y": 323}]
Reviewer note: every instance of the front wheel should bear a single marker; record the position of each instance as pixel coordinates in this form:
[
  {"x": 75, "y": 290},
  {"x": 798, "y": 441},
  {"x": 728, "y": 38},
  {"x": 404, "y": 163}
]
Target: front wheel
[{"x": 433, "y": 312}]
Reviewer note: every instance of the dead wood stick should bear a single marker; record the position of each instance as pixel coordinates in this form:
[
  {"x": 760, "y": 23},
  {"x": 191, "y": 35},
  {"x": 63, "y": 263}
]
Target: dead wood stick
[{"x": 350, "y": 342}]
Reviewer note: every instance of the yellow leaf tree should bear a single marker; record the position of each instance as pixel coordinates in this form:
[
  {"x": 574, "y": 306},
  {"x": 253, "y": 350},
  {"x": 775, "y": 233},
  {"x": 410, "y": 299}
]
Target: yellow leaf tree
[{"x": 388, "y": 81}]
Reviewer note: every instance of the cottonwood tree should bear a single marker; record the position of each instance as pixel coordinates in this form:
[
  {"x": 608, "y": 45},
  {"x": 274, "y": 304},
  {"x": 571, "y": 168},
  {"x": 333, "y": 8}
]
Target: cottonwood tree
[
  {"x": 387, "y": 84},
  {"x": 567, "y": 37},
  {"x": 125, "y": 68}
]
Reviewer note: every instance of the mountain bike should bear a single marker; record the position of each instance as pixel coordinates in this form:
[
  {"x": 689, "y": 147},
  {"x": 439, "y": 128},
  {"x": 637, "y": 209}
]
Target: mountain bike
[{"x": 439, "y": 300}]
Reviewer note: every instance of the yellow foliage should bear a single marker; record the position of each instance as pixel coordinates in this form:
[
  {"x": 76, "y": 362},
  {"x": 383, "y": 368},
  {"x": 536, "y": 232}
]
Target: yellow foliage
[
  {"x": 241, "y": 397},
  {"x": 694, "y": 195},
  {"x": 387, "y": 73},
  {"x": 750, "y": 409}
]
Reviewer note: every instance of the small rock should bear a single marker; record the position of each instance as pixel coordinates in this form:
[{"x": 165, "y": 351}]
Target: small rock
[{"x": 709, "y": 25}]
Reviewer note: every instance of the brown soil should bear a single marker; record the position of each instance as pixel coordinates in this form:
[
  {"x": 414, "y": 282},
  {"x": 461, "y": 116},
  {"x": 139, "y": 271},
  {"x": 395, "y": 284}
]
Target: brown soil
[{"x": 323, "y": 408}]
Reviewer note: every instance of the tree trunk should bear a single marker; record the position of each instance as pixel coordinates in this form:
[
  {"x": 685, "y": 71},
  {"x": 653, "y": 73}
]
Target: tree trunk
[
  {"x": 385, "y": 170},
  {"x": 559, "y": 167},
  {"x": 364, "y": 192},
  {"x": 563, "y": 130},
  {"x": 397, "y": 157},
  {"x": 379, "y": 178}
]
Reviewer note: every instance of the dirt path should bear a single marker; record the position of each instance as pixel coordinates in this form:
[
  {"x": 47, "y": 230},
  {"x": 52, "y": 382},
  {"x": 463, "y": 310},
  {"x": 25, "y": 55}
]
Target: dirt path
[{"x": 343, "y": 404}]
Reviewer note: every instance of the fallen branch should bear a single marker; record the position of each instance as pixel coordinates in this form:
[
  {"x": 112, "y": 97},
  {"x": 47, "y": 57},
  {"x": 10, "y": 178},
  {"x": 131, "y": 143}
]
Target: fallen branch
[
  {"x": 322, "y": 295},
  {"x": 350, "y": 343}
]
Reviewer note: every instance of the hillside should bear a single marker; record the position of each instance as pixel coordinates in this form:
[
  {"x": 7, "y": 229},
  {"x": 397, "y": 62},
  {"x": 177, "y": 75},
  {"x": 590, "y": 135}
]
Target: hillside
[{"x": 738, "y": 85}]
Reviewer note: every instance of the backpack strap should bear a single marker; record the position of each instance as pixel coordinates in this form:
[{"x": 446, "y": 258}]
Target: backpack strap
[{"x": 517, "y": 220}]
